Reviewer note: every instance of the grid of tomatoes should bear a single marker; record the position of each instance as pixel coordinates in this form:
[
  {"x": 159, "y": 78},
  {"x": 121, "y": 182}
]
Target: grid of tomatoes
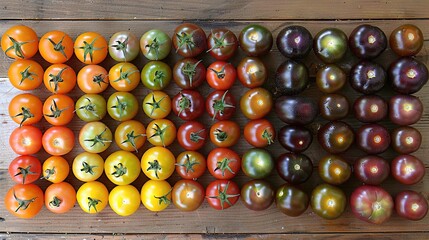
[{"x": 158, "y": 163}]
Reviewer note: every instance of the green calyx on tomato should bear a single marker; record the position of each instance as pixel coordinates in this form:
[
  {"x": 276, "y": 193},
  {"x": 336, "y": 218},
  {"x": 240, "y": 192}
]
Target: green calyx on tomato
[
  {"x": 121, "y": 106},
  {"x": 26, "y": 114},
  {"x": 189, "y": 70},
  {"x": 159, "y": 79},
  {"x": 88, "y": 48},
  {"x": 154, "y": 166},
  {"x": 224, "y": 165},
  {"x": 220, "y": 42},
  {"x": 121, "y": 46},
  {"x": 188, "y": 165},
  {"x": 184, "y": 103},
  {"x": 154, "y": 47},
  {"x": 220, "y": 135},
  {"x": 196, "y": 136},
  {"x": 16, "y": 46},
  {"x": 58, "y": 47},
  {"x": 155, "y": 104},
  {"x": 221, "y": 73},
  {"x": 49, "y": 172},
  {"x": 120, "y": 170},
  {"x": 56, "y": 79},
  {"x": 55, "y": 202},
  {"x": 223, "y": 196},
  {"x": 24, "y": 172},
  {"x": 23, "y": 203},
  {"x": 220, "y": 105},
  {"x": 89, "y": 108},
  {"x": 268, "y": 136},
  {"x": 131, "y": 139},
  {"x": 159, "y": 132},
  {"x": 185, "y": 39},
  {"x": 86, "y": 168},
  {"x": 55, "y": 110},
  {"x": 125, "y": 75},
  {"x": 93, "y": 202},
  {"x": 164, "y": 199},
  {"x": 26, "y": 74},
  {"x": 98, "y": 139}
]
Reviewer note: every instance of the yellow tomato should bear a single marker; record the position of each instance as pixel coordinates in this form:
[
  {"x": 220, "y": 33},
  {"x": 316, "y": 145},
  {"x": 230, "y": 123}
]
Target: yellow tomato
[
  {"x": 157, "y": 163},
  {"x": 124, "y": 200},
  {"x": 92, "y": 197},
  {"x": 156, "y": 195}
]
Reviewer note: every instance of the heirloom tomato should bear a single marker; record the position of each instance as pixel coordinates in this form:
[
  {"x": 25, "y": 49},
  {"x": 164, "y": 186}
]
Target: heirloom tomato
[
  {"x": 221, "y": 75},
  {"x": 220, "y": 105},
  {"x": 161, "y": 132},
  {"x": 259, "y": 132},
  {"x": 187, "y": 195},
  {"x": 156, "y": 75},
  {"x": 188, "y": 104},
  {"x": 222, "y": 44},
  {"x": 91, "y": 107},
  {"x": 124, "y": 76},
  {"x": 122, "y": 106},
  {"x": 224, "y": 133},
  {"x": 192, "y": 135},
  {"x": 189, "y": 40}
]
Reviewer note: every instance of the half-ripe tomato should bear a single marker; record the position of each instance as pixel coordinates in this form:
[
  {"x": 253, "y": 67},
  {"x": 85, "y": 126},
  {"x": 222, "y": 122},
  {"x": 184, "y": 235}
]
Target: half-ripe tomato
[
  {"x": 256, "y": 103},
  {"x": 221, "y": 75},
  {"x": 225, "y": 133},
  {"x": 188, "y": 195},
  {"x": 56, "y": 47},
  {"x": 92, "y": 197},
  {"x": 222, "y": 194},
  {"x": 26, "y": 140},
  {"x": 222, "y": 44},
  {"x": 188, "y": 104},
  {"x": 124, "y": 200},
  {"x": 95, "y": 137},
  {"x": 124, "y": 76},
  {"x": 157, "y": 163},
  {"x": 220, "y": 105},
  {"x": 58, "y": 109},
  {"x": 122, "y": 167},
  {"x": 24, "y": 200},
  {"x": 59, "y": 78},
  {"x": 255, "y": 40},
  {"x": 55, "y": 169},
  {"x": 190, "y": 165},
  {"x": 20, "y": 42},
  {"x": 157, "y": 104},
  {"x": 259, "y": 132},
  {"x": 91, "y": 107},
  {"x": 189, "y": 40},
  {"x": 122, "y": 106},
  {"x": 60, "y": 197},
  {"x": 124, "y": 46},
  {"x": 192, "y": 135},
  {"x": 189, "y": 73},
  {"x": 223, "y": 163},
  {"x": 155, "y": 44},
  {"x": 93, "y": 79},
  {"x": 25, "y": 109},
  {"x": 130, "y": 135},
  {"x": 156, "y": 195},
  {"x": 161, "y": 132},
  {"x": 156, "y": 75},
  {"x": 25, "y": 169},
  {"x": 87, "y": 166},
  {"x": 58, "y": 140},
  {"x": 25, "y": 74},
  {"x": 90, "y": 48},
  {"x": 252, "y": 72}
]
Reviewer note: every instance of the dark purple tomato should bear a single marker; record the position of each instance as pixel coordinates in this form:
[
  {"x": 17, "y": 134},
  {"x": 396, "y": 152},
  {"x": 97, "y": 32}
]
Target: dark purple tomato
[
  {"x": 406, "y": 40},
  {"x": 406, "y": 139},
  {"x": 371, "y": 204},
  {"x": 291, "y": 200},
  {"x": 294, "y": 168},
  {"x": 295, "y": 138},
  {"x": 328, "y": 201},
  {"x": 367, "y": 41},
  {"x": 330, "y": 45},
  {"x": 367, "y": 77},
  {"x": 408, "y": 75},
  {"x": 335, "y": 137},
  {"x": 294, "y": 41},
  {"x": 372, "y": 170},
  {"x": 252, "y": 72},
  {"x": 330, "y": 78},
  {"x": 407, "y": 169},
  {"x": 298, "y": 110},
  {"x": 189, "y": 73},
  {"x": 222, "y": 44},
  {"x": 257, "y": 195},
  {"x": 333, "y": 169},
  {"x": 370, "y": 108},
  {"x": 189, "y": 40},
  {"x": 333, "y": 106},
  {"x": 373, "y": 138},
  {"x": 405, "y": 109},
  {"x": 291, "y": 77},
  {"x": 411, "y": 205},
  {"x": 255, "y": 40}
]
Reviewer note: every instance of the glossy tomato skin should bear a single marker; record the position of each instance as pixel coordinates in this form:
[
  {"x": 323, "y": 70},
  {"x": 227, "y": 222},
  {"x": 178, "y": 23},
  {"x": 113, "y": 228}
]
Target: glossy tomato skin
[
  {"x": 122, "y": 106},
  {"x": 26, "y": 140},
  {"x": 188, "y": 104},
  {"x": 223, "y": 163},
  {"x": 291, "y": 200},
  {"x": 406, "y": 139},
  {"x": 334, "y": 169},
  {"x": 55, "y": 169},
  {"x": 336, "y": 137},
  {"x": 367, "y": 41},
  {"x": 189, "y": 73},
  {"x": 156, "y": 195},
  {"x": 222, "y": 44},
  {"x": 257, "y": 195},
  {"x": 222, "y": 194},
  {"x": 370, "y": 108},
  {"x": 190, "y": 165},
  {"x": 58, "y": 140},
  {"x": 189, "y": 40},
  {"x": 295, "y": 168},
  {"x": 90, "y": 48},
  {"x": 259, "y": 132},
  {"x": 405, "y": 109},
  {"x": 330, "y": 78},
  {"x": 330, "y": 45},
  {"x": 124, "y": 200},
  {"x": 124, "y": 46},
  {"x": 93, "y": 79},
  {"x": 56, "y": 46},
  {"x": 59, "y": 78},
  {"x": 187, "y": 195},
  {"x": 224, "y": 133},
  {"x": 252, "y": 72},
  {"x": 257, "y": 163},
  {"x": 91, "y": 107},
  {"x": 155, "y": 44},
  {"x": 221, "y": 75},
  {"x": 32, "y": 196},
  {"x": 292, "y": 77},
  {"x": 296, "y": 110},
  {"x": 95, "y": 137},
  {"x": 92, "y": 197},
  {"x": 122, "y": 167},
  {"x": 368, "y": 77},
  {"x": 327, "y": 201},
  {"x": 25, "y": 109},
  {"x": 373, "y": 138},
  {"x": 25, "y": 74},
  {"x": 58, "y": 109},
  {"x": 161, "y": 132},
  {"x": 124, "y": 76},
  {"x": 130, "y": 135},
  {"x": 26, "y": 39},
  {"x": 294, "y": 41},
  {"x": 25, "y": 169},
  {"x": 220, "y": 105},
  {"x": 256, "y": 103},
  {"x": 192, "y": 135},
  {"x": 406, "y": 40},
  {"x": 60, "y": 197},
  {"x": 157, "y": 163},
  {"x": 411, "y": 205},
  {"x": 88, "y": 167},
  {"x": 295, "y": 138},
  {"x": 408, "y": 75},
  {"x": 255, "y": 40},
  {"x": 156, "y": 75},
  {"x": 407, "y": 169},
  {"x": 371, "y": 204},
  {"x": 371, "y": 170},
  {"x": 334, "y": 106},
  {"x": 157, "y": 105}
]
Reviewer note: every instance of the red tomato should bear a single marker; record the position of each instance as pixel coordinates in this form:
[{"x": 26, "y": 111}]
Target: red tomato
[
  {"x": 190, "y": 165},
  {"x": 58, "y": 109},
  {"x": 222, "y": 43},
  {"x": 225, "y": 133},
  {"x": 220, "y": 105},
  {"x": 26, "y": 140},
  {"x": 259, "y": 132},
  {"x": 25, "y": 109},
  {"x": 188, "y": 104},
  {"x": 223, "y": 163},
  {"x": 222, "y": 194},
  {"x": 221, "y": 75},
  {"x": 25, "y": 169},
  {"x": 58, "y": 140},
  {"x": 59, "y": 78},
  {"x": 192, "y": 135}
]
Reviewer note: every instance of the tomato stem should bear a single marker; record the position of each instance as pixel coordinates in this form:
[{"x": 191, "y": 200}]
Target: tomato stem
[
  {"x": 188, "y": 165},
  {"x": 223, "y": 197},
  {"x": 154, "y": 166},
  {"x": 25, "y": 113},
  {"x": 220, "y": 135},
  {"x": 120, "y": 170},
  {"x": 24, "y": 172},
  {"x": 184, "y": 103},
  {"x": 268, "y": 137},
  {"x": 159, "y": 133},
  {"x": 23, "y": 203},
  {"x": 154, "y": 46},
  {"x": 55, "y": 202},
  {"x": 121, "y": 46},
  {"x": 125, "y": 75},
  {"x": 221, "y": 73},
  {"x": 164, "y": 198},
  {"x": 86, "y": 168},
  {"x": 98, "y": 139},
  {"x": 196, "y": 136},
  {"x": 55, "y": 111},
  {"x": 59, "y": 47},
  {"x": 88, "y": 48},
  {"x": 190, "y": 70},
  {"x": 220, "y": 105},
  {"x": 56, "y": 79},
  {"x": 155, "y": 104},
  {"x": 92, "y": 202},
  {"x": 224, "y": 165},
  {"x": 49, "y": 172},
  {"x": 220, "y": 42},
  {"x": 131, "y": 138},
  {"x": 16, "y": 46},
  {"x": 90, "y": 107},
  {"x": 26, "y": 74}
]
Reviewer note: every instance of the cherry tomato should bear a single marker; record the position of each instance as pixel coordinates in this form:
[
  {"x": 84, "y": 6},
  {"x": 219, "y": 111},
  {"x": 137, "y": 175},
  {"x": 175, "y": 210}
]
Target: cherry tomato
[
  {"x": 327, "y": 201},
  {"x": 56, "y": 47},
  {"x": 157, "y": 105},
  {"x": 222, "y": 44},
  {"x": 60, "y": 197},
  {"x": 223, "y": 163},
  {"x": 58, "y": 109},
  {"x": 87, "y": 166},
  {"x": 187, "y": 195},
  {"x": 252, "y": 72},
  {"x": 124, "y": 76},
  {"x": 191, "y": 135},
  {"x": 25, "y": 74},
  {"x": 25, "y": 169},
  {"x": 122, "y": 106},
  {"x": 130, "y": 135},
  {"x": 291, "y": 200},
  {"x": 411, "y": 205},
  {"x": 157, "y": 163},
  {"x": 257, "y": 163},
  {"x": 58, "y": 140},
  {"x": 255, "y": 40},
  {"x": 155, "y": 44},
  {"x": 256, "y": 103},
  {"x": 190, "y": 165},
  {"x": 156, "y": 195},
  {"x": 95, "y": 137},
  {"x": 55, "y": 169},
  {"x": 25, "y": 109},
  {"x": 406, "y": 40},
  {"x": 334, "y": 169},
  {"x": 92, "y": 197},
  {"x": 93, "y": 79},
  {"x": 91, "y": 107},
  {"x": 156, "y": 75},
  {"x": 224, "y": 133},
  {"x": 221, "y": 75},
  {"x": 259, "y": 132},
  {"x": 124, "y": 200},
  {"x": 188, "y": 104},
  {"x": 122, "y": 167},
  {"x": 222, "y": 194},
  {"x": 90, "y": 48},
  {"x": 26, "y": 140},
  {"x": 24, "y": 200},
  {"x": 20, "y": 42},
  {"x": 124, "y": 46},
  {"x": 189, "y": 73},
  {"x": 220, "y": 105},
  {"x": 189, "y": 40},
  {"x": 257, "y": 195},
  {"x": 161, "y": 132},
  {"x": 59, "y": 78}
]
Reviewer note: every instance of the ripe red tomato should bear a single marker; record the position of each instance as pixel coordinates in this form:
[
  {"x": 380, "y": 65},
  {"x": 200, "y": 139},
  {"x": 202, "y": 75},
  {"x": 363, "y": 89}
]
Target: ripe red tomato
[
  {"x": 221, "y": 75},
  {"x": 26, "y": 140},
  {"x": 190, "y": 165},
  {"x": 222, "y": 44},
  {"x": 56, "y": 46},
  {"x": 20, "y": 42},
  {"x": 223, "y": 163},
  {"x": 220, "y": 105},
  {"x": 25, "y": 169},
  {"x": 191, "y": 135},
  {"x": 59, "y": 78},
  {"x": 189, "y": 73},
  {"x": 259, "y": 132},
  {"x": 58, "y": 109},
  {"x": 188, "y": 104},
  {"x": 225, "y": 133},
  {"x": 25, "y": 109},
  {"x": 58, "y": 140},
  {"x": 222, "y": 194}
]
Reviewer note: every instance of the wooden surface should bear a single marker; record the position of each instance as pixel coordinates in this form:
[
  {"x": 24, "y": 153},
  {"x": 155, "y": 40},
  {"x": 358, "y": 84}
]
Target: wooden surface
[{"x": 238, "y": 221}]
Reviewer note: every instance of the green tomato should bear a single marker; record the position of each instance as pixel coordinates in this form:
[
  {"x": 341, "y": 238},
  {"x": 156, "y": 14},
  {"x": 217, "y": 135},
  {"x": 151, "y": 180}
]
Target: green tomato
[
  {"x": 91, "y": 107},
  {"x": 156, "y": 75},
  {"x": 122, "y": 106},
  {"x": 155, "y": 44},
  {"x": 257, "y": 163}
]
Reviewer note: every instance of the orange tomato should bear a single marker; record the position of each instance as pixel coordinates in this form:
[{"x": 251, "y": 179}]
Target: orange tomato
[
  {"x": 58, "y": 140},
  {"x": 124, "y": 77},
  {"x": 25, "y": 74},
  {"x": 56, "y": 47},
  {"x": 20, "y": 42},
  {"x": 24, "y": 200},
  {"x": 93, "y": 79},
  {"x": 25, "y": 109},
  {"x": 90, "y": 48},
  {"x": 59, "y": 78},
  {"x": 58, "y": 109},
  {"x": 60, "y": 197},
  {"x": 55, "y": 169}
]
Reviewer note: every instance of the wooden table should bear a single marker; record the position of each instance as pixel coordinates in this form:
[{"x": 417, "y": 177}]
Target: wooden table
[{"x": 75, "y": 17}]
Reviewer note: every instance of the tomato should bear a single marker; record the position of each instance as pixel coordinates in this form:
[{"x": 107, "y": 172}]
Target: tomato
[
  {"x": 252, "y": 72},
  {"x": 191, "y": 135},
  {"x": 157, "y": 104},
  {"x": 92, "y": 197},
  {"x": 87, "y": 166},
  {"x": 411, "y": 205},
  {"x": 222, "y": 194},
  {"x": 223, "y": 163},
  {"x": 93, "y": 79},
  {"x": 20, "y": 42},
  {"x": 25, "y": 74},
  {"x": 222, "y": 44},
  {"x": 60, "y": 197},
  {"x": 330, "y": 45},
  {"x": 224, "y": 133},
  {"x": 130, "y": 135},
  {"x": 406, "y": 40},
  {"x": 291, "y": 200},
  {"x": 187, "y": 195},
  {"x": 122, "y": 167},
  {"x": 25, "y": 109},
  {"x": 55, "y": 169},
  {"x": 124, "y": 200},
  {"x": 58, "y": 140},
  {"x": 25, "y": 169},
  {"x": 161, "y": 132},
  {"x": 124, "y": 46},
  {"x": 259, "y": 132},
  {"x": 189, "y": 40},
  {"x": 256, "y": 103},
  {"x": 371, "y": 204},
  {"x": 56, "y": 47},
  {"x": 95, "y": 137},
  {"x": 91, "y": 107},
  {"x": 189, "y": 73},
  {"x": 58, "y": 109},
  {"x": 221, "y": 75},
  {"x": 257, "y": 195},
  {"x": 255, "y": 40},
  {"x": 157, "y": 163},
  {"x": 124, "y": 76},
  {"x": 155, "y": 44},
  {"x": 407, "y": 169},
  {"x": 294, "y": 168},
  {"x": 257, "y": 163},
  {"x": 190, "y": 165},
  {"x": 90, "y": 48},
  {"x": 220, "y": 105},
  {"x": 24, "y": 200},
  {"x": 188, "y": 104},
  {"x": 327, "y": 201},
  {"x": 26, "y": 140},
  {"x": 156, "y": 75},
  {"x": 334, "y": 169},
  {"x": 156, "y": 195},
  {"x": 122, "y": 106},
  {"x": 59, "y": 78}
]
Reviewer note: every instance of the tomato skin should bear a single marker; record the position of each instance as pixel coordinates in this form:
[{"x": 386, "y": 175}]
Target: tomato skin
[
  {"x": 406, "y": 40},
  {"x": 187, "y": 195},
  {"x": 252, "y": 72},
  {"x": 155, "y": 44},
  {"x": 189, "y": 73},
  {"x": 56, "y": 47},
  {"x": 124, "y": 76},
  {"x": 95, "y": 137},
  {"x": 60, "y": 197},
  {"x": 87, "y": 166},
  {"x": 59, "y": 78},
  {"x": 25, "y": 74},
  {"x": 91, "y": 107},
  {"x": 255, "y": 40},
  {"x": 25, "y": 169},
  {"x": 220, "y": 105},
  {"x": 161, "y": 132},
  {"x": 90, "y": 48},
  {"x": 411, "y": 205},
  {"x": 93, "y": 79},
  {"x": 157, "y": 105},
  {"x": 224, "y": 133},
  {"x": 58, "y": 140},
  {"x": 222, "y": 44},
  {"x": 156, "y": 195},
  {"x": 26, "y": 38},
  {"x": 124, "y": 200},
  {"x": 218, "y": 190},
  {"x": 55, "y": 169},
  {"x": 156, "y": 75},
  {"x": 190, "y": 165},
  {"x": 223, "y": 163},
  {"x": 257, "y": 195},
  {"x": 92, "y": 197},
  {"x": 221, "y": 75},
  {"x": 327, "y": 201},
  {"x": 124, "y": 46},
  {"x": 188, "y": 104},
  {"x": 259, "y": 132},
  {"x": 256, "y": 103},
  {"x": 130, "y": 135},
  {"x": 189, "y": 40},
  {"x": 191, "y": 135},
  {"x": 30, "y": 193},
  {"x": 25, "y": 109},
  {"x": 122, "y": 106},
  {"x": 157, "y": 163},
  {"x": 26, "y": 140},
  {"x": 257, "y": 163},
  {"x": 58, "y": 109},
  {"x": 122, "y": 167}
]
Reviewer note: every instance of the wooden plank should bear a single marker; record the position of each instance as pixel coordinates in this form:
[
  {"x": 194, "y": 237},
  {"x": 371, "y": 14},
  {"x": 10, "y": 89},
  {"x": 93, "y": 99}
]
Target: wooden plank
[{"x": 213, "y": 10}]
